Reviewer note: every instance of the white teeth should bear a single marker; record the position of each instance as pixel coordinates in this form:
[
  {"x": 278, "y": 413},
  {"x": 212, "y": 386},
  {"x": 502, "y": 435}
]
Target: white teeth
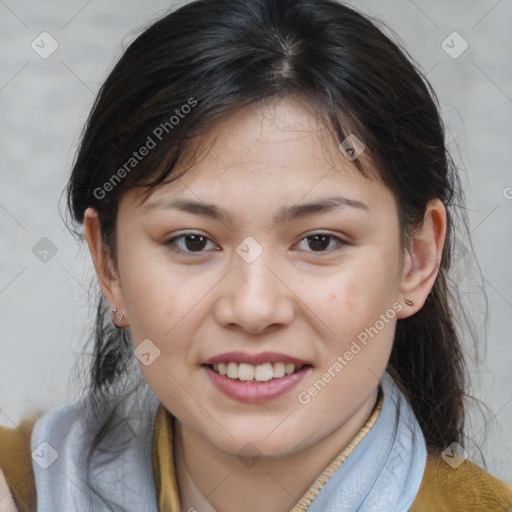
[
  {"x": 246, "y": 371},
  {"x": 232, "y": 372},
  {"x": 279, "y": 369},
  {"x": 261, "y": 373}
]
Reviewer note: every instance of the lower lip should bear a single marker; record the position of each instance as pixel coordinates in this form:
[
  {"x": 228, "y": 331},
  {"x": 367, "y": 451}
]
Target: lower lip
[{"x": 252, "y": 392}]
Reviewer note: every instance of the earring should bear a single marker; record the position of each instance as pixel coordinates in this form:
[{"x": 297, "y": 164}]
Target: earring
[
  {"x": 113, "y": 314},
  {"x": 114, "y": 311},
  {"x": 409, "y": 302}
]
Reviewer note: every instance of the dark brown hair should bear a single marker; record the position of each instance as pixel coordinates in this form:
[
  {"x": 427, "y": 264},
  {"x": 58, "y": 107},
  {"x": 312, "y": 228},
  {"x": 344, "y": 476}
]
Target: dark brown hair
[{"x": 227, "y": 54}]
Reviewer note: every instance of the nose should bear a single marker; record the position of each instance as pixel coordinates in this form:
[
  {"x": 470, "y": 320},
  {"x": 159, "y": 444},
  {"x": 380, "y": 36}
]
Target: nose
[{"x": 254, "y": 297}]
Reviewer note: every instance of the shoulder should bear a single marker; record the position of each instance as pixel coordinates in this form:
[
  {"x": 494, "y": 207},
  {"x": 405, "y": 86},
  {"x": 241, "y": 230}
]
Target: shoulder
[
  {"x": 6, "y": 499},
  {"x": 16, "y": 463},
  {"x": 19, "y": 444},
  {"x": 468, "y": 488}
]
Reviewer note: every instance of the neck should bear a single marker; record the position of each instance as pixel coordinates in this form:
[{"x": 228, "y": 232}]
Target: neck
[{"x": 206, "y": 476}]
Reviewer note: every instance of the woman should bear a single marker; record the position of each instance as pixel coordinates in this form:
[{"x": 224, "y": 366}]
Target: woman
[{"x": 269, "y": 205}]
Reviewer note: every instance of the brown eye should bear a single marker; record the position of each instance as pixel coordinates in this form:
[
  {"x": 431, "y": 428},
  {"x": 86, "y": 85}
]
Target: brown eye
[
  {"x": 195, "y": 242},
  {"x": 322, "y": 242},
  {"x": 189, "y": 243},
  {"x": 319, "y": 242}
]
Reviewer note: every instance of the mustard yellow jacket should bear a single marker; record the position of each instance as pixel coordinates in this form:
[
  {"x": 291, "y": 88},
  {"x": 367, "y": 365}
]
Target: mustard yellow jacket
[{"x": 466, "y": 489}]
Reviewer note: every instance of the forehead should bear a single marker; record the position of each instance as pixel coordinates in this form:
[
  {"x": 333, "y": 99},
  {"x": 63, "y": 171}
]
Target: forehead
[
  {"x": 272, "y": 151},
  {"x": 273, "y": 134}
]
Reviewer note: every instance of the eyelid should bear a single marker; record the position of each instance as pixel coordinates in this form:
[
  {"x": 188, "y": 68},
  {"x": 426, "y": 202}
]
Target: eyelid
[
  {"x": 340, "y": 241},
  {"x": 181, "y": 235}
]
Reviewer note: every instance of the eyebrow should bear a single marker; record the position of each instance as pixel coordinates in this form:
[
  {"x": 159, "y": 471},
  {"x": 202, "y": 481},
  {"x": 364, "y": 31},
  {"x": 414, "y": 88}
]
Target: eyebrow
[{"x": 286, "y": 214}]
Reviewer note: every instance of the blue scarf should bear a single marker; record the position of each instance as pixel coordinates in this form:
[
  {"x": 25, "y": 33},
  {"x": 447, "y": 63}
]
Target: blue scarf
[{"x": 383, "y": 473}]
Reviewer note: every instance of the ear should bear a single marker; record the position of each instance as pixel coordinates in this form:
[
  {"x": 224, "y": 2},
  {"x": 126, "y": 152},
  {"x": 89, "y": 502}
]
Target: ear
[
  {"x": 422, "y": 259},
  {"x": 108, "y": 277}
]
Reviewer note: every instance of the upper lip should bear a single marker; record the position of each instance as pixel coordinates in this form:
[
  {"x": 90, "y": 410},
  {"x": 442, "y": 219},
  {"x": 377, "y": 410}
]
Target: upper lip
[{"x": 254, "y": 359}]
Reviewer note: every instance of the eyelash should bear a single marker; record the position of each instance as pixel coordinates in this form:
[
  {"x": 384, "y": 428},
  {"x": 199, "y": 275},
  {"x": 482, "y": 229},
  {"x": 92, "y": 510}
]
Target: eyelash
[{"x": 172, "y": 242}]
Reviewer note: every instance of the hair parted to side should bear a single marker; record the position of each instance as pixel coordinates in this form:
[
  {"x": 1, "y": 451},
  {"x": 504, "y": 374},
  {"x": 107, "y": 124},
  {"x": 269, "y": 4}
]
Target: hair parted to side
[{"x": 230, "y": 53}]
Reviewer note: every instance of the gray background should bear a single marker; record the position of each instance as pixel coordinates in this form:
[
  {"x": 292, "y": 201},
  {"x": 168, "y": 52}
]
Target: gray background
[{"x": 45, "y": 310}]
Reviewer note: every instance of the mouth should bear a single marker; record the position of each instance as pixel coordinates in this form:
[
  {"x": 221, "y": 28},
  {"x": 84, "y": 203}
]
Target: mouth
[
  {"x": 249, "y": 383},
  {"x": 244, "y": 372},
  {"x": 252, "y": 378}
]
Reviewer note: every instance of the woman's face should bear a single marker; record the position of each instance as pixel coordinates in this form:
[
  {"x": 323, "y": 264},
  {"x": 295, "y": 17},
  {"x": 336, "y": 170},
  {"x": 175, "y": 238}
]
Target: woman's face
[{"x": 272, "y": 247}]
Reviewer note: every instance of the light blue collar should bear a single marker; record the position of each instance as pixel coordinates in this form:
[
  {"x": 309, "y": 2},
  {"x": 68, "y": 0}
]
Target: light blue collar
[
  {"x": 126, "y": 480},
  {"x": 383, "y": 473},
  {"x": 385, "y": 470}
]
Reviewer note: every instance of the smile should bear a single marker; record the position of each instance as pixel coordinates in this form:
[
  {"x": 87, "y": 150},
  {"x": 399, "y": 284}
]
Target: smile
[
  {"x": 262, "y": 383},
  {"x": 251, "y": 373}
]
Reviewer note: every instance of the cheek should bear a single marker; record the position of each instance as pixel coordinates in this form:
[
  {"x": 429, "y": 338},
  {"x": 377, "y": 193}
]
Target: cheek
[
  {"x": 165, "y": 304},
  {"x": 357, "y": 292},
  {"x": 151, "y": 294},
  {"x": 351, "y": 303}
]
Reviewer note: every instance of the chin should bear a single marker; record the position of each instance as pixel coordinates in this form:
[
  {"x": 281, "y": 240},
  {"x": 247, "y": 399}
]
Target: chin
[{"x": 249, "y": 441}]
